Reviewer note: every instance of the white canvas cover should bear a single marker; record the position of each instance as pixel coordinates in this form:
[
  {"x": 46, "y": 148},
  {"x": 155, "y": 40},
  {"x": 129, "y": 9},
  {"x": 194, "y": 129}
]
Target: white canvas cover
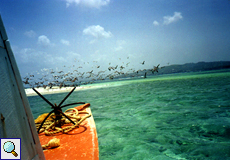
[{"x": 16, "y": 117}]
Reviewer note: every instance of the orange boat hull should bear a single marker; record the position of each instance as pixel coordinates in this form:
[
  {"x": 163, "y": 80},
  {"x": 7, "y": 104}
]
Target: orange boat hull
[{"x": 81, "y": 143}]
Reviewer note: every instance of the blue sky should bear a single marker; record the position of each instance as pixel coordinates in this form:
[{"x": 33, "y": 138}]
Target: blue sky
[{"x": 65, "y": 34}]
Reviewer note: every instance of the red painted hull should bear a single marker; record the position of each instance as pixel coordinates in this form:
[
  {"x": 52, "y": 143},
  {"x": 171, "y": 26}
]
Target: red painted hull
[{"x": 81, "y": 143}]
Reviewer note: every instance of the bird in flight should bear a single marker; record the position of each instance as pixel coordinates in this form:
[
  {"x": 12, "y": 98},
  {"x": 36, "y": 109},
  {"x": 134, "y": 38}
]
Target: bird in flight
[{"x": 155, "y": 69}]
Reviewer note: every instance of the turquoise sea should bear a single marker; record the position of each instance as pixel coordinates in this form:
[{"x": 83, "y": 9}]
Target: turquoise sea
[{"x": 163, "y": 117}]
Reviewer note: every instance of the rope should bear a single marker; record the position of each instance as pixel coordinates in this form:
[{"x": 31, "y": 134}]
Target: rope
[{"x": 51, "y": 126}]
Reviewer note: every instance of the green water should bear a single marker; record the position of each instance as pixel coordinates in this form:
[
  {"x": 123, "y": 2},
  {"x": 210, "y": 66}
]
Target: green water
[{"x": 180, "y": 116}]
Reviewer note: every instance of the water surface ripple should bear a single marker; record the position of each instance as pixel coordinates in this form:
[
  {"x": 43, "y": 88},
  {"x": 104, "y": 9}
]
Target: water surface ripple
[{"x": 182, "y": 116}]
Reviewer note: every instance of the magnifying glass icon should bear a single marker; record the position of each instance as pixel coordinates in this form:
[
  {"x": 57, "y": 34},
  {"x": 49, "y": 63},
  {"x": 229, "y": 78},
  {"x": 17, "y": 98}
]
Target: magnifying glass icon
[{"x": 9, "y": 147}]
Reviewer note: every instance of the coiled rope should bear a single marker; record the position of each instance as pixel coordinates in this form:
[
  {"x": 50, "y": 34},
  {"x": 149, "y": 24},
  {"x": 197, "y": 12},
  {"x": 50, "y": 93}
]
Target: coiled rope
[{"x": 52, "y": 126}]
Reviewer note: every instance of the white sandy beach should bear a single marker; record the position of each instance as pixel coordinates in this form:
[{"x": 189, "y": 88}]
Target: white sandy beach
[
  {"x": 56, "y": 89},
  {"x": 30, "y": 91}
]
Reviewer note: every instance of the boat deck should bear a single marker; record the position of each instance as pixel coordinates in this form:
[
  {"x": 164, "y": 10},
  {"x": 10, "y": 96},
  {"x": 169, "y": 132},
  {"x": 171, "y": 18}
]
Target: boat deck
[{"x": 80, "y": 143}]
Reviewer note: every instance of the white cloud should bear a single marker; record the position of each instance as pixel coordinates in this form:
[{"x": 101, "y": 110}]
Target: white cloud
[
  {"x": 65, "y": 42},
  {"x": 93, "y": 41},
  {"x": 97, "y": 32},
  {"x": 27, "y": 54},
  {"x": 155, "y": 23},
  {"x": 44, "y": 41},
  {"x": 50, "y": 59},
  {"x": 73, "y": 55},
  {"x": 88, "y": 3},
  {"x": 98, "y": 56},
  {"x": 68, "y": 2},
  {"x": 30, "y": 33},
  {"x": 170, "y": 19},
  {"x": 120, "y": 45}
]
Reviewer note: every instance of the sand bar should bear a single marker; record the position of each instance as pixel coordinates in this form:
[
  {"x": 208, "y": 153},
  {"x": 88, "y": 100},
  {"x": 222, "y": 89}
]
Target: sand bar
[
  {"x": 56, "y": 89},
  {"x": 53, "y": 90}
]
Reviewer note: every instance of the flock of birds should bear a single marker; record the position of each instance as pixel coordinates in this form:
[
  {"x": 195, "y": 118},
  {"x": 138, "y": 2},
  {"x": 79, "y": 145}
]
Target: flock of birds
[{"x": 76, "y": 77}]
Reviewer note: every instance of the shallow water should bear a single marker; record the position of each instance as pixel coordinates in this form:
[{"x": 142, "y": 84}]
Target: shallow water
[{"x": 179, "y": 116}]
